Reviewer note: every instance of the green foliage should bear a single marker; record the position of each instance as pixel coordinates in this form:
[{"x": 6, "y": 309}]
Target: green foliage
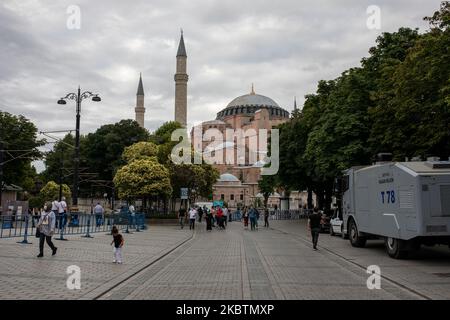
[
  {"x": 163, "y": 134},
  {"x": 105, "y": 146},
  {"x": 398, "y": 101},
  {"x": 142, "y": 178},
  {"x": 19, "y": 135},
  {"x": 50, "y": 191},
  {"x": 140, "y": 150},
  {"x": 198, "y": 178}
]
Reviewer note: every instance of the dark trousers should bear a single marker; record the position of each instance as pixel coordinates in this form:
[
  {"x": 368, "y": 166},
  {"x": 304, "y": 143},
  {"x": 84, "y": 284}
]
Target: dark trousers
[
  {"x": 48, "y": 239},
  {"x": 200, "y": 218},
  {"x": 252, "y": 223},
  {"x": 192, "y": 224},
  {"x": 315, "y": 236},
  {"x": 266, "y": 221}
]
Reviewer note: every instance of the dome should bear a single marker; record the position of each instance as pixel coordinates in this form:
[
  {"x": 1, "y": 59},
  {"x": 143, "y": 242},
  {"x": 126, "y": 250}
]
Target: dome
[
  {"x": 248, "y": 104},
  {"x": 252, "y": 100},
  {"x": 228, "y": 177}
]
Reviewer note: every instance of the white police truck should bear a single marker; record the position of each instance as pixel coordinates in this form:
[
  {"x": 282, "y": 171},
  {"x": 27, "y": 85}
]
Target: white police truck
[{"x": 405, "y": 203}]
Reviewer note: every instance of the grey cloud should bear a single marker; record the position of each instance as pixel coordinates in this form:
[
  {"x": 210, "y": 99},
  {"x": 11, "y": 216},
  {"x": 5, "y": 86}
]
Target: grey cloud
[{"x": 284, "y": 47}]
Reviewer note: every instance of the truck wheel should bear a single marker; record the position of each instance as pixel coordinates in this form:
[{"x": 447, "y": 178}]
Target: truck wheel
[
  {"x": 355, "y": 239},
  {"x": 395, "y": 248}
]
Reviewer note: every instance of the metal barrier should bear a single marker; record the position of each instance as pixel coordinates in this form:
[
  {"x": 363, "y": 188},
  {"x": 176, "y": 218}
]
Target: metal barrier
[
  {"x": 288, "y": 214},
  {"x": 65, "y": 224}
]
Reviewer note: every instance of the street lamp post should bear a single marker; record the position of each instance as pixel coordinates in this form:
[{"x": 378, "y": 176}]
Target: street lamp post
[{"x": 78, "y": 97}]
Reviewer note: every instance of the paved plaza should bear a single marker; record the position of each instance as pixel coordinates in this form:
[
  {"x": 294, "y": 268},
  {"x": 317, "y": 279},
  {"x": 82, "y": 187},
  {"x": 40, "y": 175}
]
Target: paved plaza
[{"x": 164, "y": 262}]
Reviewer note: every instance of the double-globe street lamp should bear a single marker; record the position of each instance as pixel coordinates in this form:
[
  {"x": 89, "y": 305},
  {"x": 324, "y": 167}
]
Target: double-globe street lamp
[{"x": 78, "y": 97}]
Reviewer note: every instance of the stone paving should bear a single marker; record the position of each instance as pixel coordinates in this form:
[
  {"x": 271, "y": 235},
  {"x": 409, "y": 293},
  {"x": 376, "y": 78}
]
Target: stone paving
[
  {"x": 164, "y": 262},
  {"x": 24, "y": 276}
]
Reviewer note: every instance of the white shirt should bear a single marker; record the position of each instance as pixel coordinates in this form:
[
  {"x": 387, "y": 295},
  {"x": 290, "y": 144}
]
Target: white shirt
[
  {"x": 63, "y": 205},
  {"x": 225, "y": 211},
  {"x": 192, "y": 214},
  {"x": 131, "y": 208},
  {"x": 98, "y": 209},
  {"x": 55, "y": 206}
]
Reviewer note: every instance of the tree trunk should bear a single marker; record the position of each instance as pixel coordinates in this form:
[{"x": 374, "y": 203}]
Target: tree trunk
[{"x": 310, "y": 198}]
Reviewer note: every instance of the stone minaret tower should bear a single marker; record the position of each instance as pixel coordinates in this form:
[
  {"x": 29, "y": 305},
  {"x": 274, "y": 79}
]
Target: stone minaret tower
[
  {"x": 181, "y": 79},
  {"x": 140, "y": 110}
]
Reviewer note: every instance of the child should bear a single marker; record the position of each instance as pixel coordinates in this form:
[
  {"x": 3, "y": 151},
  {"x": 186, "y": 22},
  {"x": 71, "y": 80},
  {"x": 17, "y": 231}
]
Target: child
[{"x": 118, "y": 244}]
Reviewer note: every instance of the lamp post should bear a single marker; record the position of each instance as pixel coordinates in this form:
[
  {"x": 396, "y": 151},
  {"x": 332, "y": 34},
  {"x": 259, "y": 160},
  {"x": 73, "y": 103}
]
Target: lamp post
[{"x": 78, "y": 97}]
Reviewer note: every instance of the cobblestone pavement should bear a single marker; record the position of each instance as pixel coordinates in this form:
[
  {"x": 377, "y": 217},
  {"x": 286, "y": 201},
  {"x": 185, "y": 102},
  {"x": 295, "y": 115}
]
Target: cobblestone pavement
[
  {"x": 426, "y": 272},
  {"x": 265, "y": 264},
  {"x": 164, "y": 262},
  {"x": 24, "y": 276}
]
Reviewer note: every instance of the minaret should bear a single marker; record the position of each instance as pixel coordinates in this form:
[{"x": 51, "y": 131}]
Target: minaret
[
  {"x": 295, "y": 103},
  {"x": 181, "y": 79},
  {"x": 140, "y": 110}
]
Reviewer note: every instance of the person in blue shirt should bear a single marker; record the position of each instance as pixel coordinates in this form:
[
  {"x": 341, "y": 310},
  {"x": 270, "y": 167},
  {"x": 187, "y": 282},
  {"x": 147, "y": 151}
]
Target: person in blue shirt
[{"x": 252, "y": 216}]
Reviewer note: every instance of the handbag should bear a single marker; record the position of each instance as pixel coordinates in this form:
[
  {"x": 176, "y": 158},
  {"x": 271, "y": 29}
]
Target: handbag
[{"x": 38, "y": 232}]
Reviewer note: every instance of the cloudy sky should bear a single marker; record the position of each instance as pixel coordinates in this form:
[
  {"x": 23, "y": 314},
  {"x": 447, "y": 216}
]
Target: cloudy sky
[{"x": 284, "y": 47}]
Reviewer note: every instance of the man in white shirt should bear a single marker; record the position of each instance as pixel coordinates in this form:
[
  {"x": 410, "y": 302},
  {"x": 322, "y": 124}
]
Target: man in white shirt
[
  {"x": 56, "y": 209},
  {"x": 133, "y": 214},
  {"x": 98, "y": 211},
  {"x": 62, "y": 210},
  {"x": 225, "y": 215},
  {"x": 192, "y": 217}
]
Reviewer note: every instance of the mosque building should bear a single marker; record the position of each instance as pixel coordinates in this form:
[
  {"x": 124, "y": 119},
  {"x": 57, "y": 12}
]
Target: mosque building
[{"x": 239, "y": 168}]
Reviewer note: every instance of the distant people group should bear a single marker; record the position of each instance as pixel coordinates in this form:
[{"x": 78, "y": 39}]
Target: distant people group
[{"x": 218, "y": 217}]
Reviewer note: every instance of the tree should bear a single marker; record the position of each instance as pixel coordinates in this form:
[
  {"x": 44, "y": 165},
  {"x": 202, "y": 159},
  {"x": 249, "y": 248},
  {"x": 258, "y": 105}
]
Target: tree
[
  {"x": 18, "y": 136},
  {"x": 105, "y": 146},
  {"x": 266, "y": 186},
  {"x": 163, "y": 134},
  {"x": 59, "y": 161},
  {"x": 143, "y": 178},
  {"x": 140, "y": 150},
  {"x": 51, "y": 191},
  {"x": 198, "y": 178}
]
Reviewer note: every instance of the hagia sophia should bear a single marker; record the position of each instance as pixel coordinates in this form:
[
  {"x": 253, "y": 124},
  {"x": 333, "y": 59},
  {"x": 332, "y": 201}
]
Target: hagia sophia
[{"x": 238, "y": 182}]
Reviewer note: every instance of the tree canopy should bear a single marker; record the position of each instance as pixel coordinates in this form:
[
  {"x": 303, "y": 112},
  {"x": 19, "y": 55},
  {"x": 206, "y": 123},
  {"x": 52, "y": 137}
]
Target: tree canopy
[{"x": 18, "y": 137}]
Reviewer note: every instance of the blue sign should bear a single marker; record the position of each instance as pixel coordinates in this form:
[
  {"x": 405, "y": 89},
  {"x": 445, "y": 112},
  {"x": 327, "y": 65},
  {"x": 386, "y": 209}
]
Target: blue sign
[{"x": 218, "y": 203}]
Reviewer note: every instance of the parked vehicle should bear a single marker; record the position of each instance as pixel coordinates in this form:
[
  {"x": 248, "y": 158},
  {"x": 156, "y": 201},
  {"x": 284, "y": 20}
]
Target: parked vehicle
[
  {"x": 336, "y": 223},
  {"x": 405, "y": 203}
]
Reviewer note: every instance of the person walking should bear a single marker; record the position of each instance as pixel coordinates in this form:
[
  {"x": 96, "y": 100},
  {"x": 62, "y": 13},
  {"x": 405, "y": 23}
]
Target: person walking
[
  {"x": 182, "y": 216},
  {"x": 200, "y": 214},
  {"x": 213, "y": 216},
  {"x": 266, "y": 217},
  {"x": 192, "y": 217},
  {"x": 132, "y": 211},
  {"x": 63, "y": 205},
  {"x": 208, "y": 217},
  {"x": 256, "y": 218},
  {"x": 252, "y": 216},
  {"x": 46, "y": 227},
  {"x": 55, "y": 210},
  {"x": 118, "y": 242},
  {"x": 225, "y": 216},
  {"x": 219, "y": 217},
  {"x": 245, "y": 217},
  {"x": 314, "y": 226},
  {"x": 99, "y": 211}
]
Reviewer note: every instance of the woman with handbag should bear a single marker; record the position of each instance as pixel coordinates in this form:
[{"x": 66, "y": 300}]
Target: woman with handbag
[{"x": 46, "y": 229}]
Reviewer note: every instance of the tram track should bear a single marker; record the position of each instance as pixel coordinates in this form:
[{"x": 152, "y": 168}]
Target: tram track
[
  {"x": 143, "y": 269},
  {"x": 360, "y": 266}
]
